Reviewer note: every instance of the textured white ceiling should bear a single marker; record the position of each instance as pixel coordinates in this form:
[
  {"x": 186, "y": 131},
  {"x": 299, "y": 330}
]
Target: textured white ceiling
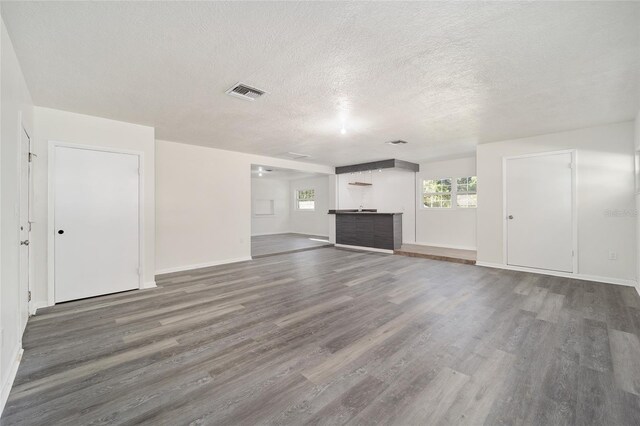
[{"x": 443, "y": 76}]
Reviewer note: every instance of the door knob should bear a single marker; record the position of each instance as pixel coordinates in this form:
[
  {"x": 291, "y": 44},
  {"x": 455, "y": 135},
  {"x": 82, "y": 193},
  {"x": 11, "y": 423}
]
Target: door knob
[
  {"x": 24, "y": 243},
  {"x": 510, "y": 216}
]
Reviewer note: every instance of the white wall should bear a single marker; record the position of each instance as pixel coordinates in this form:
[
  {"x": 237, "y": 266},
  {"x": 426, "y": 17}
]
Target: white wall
[
  {"x": 314, "y": 222},
  {"x": 454, "y": 227},
  {"x": 62, "y": 126},
  {"x": 333, "y": 202},
  {"x": 605, "y": 183},
  {"x": 199, "y": 221},
  {"x": 276, "y": 190},
  {"x": 637, "y": 200},
  {"x": 15, "y": 108},
  {"x": 393, "y": 191}
]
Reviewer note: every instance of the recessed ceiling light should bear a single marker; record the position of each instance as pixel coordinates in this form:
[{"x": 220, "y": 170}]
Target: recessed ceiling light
[{"x": 260, "y": 174}]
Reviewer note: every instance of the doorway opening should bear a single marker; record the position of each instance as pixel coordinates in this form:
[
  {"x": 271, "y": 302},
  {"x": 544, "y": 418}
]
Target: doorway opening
[
  {"x": 288, "y": 210},
  {"x": 25, "y": 197}
]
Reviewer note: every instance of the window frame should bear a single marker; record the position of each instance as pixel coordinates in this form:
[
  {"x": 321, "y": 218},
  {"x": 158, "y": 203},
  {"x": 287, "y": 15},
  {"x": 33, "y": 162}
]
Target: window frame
[
  {"x": 466, "y": 192},
  {"x": 297, "y": 199},
  {"x": 437, "y": 180},
  {"x": 453, "y": 192}
]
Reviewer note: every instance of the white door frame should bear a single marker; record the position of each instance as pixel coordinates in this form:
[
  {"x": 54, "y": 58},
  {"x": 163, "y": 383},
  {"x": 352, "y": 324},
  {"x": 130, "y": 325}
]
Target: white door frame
[
  {"x": 23, "y": 128},
  {"x": 51, "y": 203},
  {"x": 574, "y": 210}
]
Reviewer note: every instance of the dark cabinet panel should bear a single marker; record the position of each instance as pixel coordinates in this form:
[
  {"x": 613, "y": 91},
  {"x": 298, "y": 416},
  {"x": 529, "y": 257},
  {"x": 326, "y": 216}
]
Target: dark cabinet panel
[
  {"x": 397, "y": 232},
  {"x": 346, "y": 229},
  {"x": 382, "y": 231},
  {"x": 364, "y": 230}
]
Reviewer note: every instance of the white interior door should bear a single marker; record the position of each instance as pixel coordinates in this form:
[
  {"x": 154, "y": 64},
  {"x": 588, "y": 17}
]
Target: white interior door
[
  {"x": 539, "y": 208},
  {"x": 25, "y": 226},
  {"x": 96, "y": 217}
]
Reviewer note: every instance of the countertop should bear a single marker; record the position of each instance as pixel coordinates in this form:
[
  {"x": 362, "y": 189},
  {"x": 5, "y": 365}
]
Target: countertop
[{"x": 364, "y": 212}]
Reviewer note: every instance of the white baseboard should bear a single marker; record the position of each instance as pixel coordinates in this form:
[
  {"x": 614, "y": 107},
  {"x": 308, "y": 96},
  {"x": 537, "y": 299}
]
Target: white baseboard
[
  {"x": 290, "y": 232},
  {"x": 201, "y": 265},
  {"x": 8, "y": 383},
  {"x": 149, "y": 284},
  {"x": 37, "y": 305},
  {"x": 445, "y": 246},
  {"x": 272, "y": 233},
  {"x": 377, "y": 250},
  {"x": 595, "y": 278}
]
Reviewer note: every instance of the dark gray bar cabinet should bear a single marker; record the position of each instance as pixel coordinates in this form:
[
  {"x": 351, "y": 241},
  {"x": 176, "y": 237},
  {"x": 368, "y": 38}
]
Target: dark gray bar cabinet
[{"x": 368, "y": 229}]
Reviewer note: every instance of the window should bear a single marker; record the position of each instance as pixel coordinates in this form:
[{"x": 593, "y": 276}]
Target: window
[
  {"x": 436, "y": 193},
  {"x": 306, "y": 199},
  {"x": 441, "y": 194},
  {"x": 466, "y": 196}
]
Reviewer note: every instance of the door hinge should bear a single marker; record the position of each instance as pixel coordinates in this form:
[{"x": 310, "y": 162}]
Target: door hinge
[
  {"x": 29, "y": 297},
  {"x": 31, "y": 155}
]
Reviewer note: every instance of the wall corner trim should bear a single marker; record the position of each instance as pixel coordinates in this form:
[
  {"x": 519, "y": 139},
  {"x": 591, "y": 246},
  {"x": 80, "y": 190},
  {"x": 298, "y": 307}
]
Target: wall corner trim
[
  {"x": 6, "y": 386},
  {"x": 149, "y": 284},
  {"x": 595, "y": 278},
  {"x": 37, "y": 305}
]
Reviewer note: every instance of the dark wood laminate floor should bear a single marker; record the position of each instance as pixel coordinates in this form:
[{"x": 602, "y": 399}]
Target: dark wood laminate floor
[
  {"x": 268, "y": 245},
  {"x": 332, "y": 336}
]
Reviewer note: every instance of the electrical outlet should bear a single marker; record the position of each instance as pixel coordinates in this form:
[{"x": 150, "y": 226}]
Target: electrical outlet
[{"x": 613, "y": 255}]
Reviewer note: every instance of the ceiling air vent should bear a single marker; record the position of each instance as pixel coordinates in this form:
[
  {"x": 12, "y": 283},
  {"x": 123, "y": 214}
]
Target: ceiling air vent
[
  {"x": 398, "y": 142},
  {"x": 296, "y": 156},
  {"x": 245, "y": 92}
]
